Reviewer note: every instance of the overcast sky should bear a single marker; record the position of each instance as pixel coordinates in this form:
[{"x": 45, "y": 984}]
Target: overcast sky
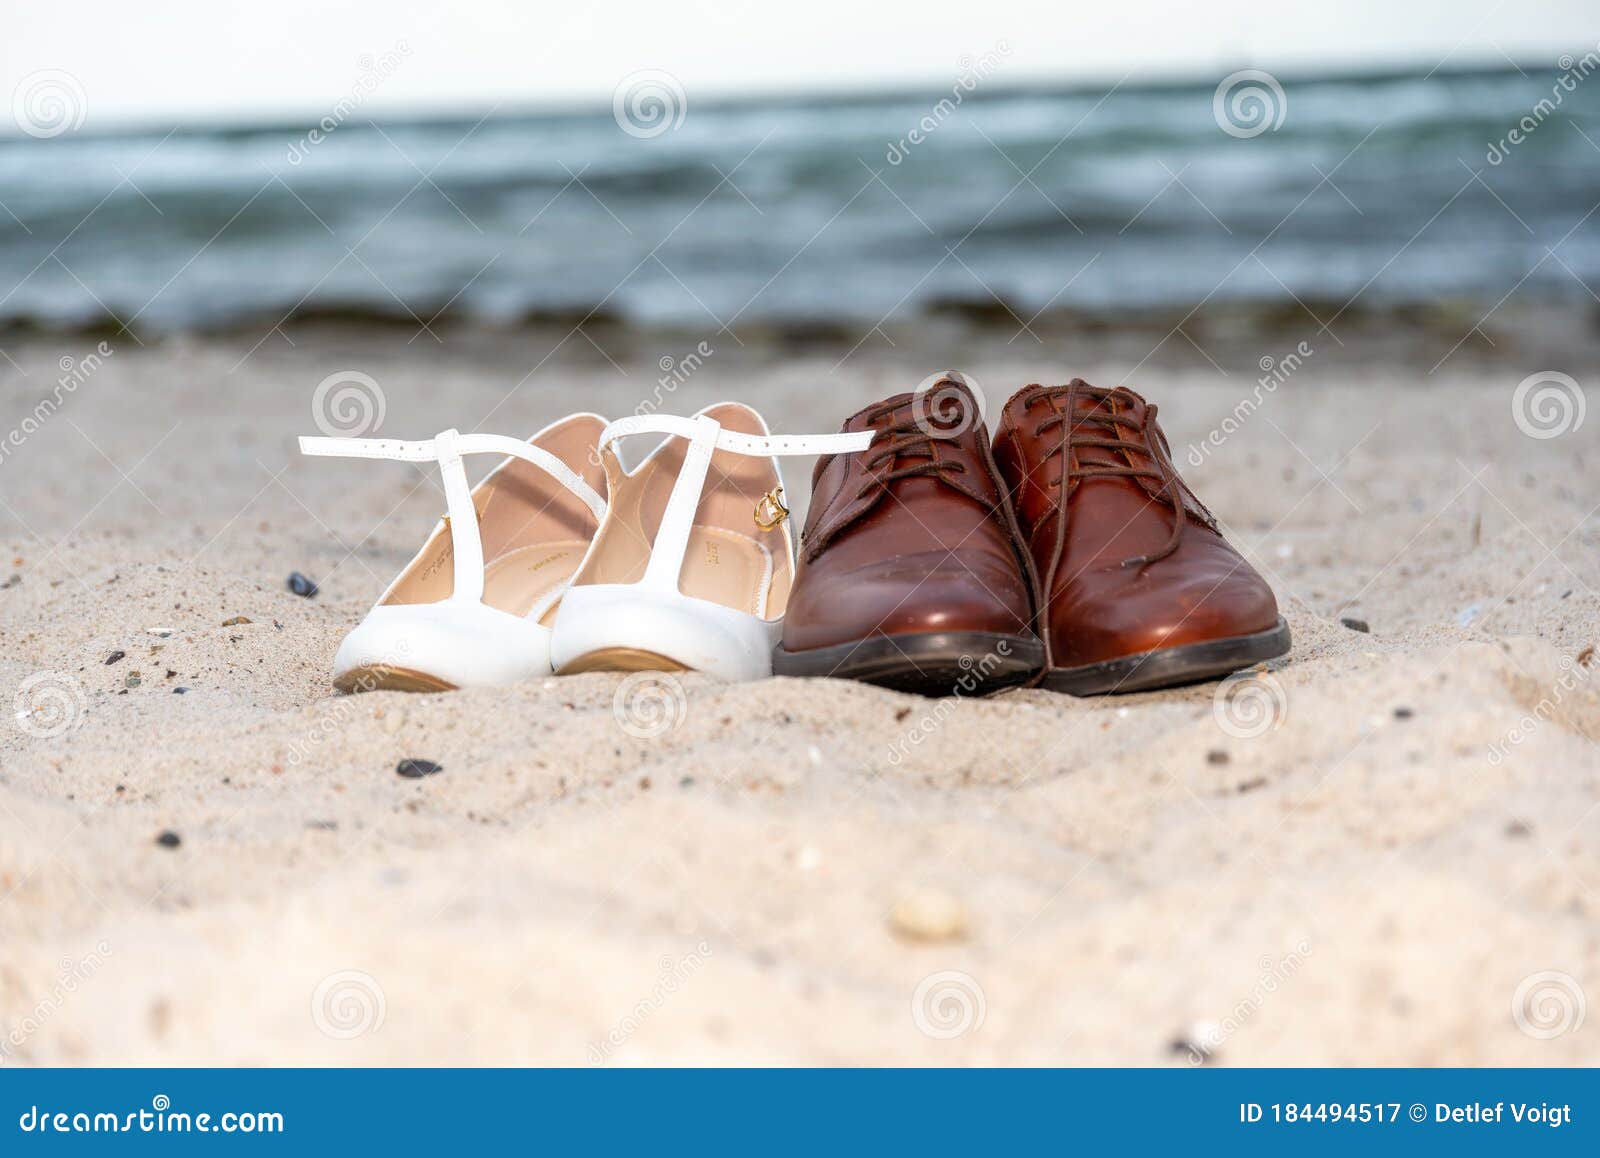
[{"x": 188, "y": 60}]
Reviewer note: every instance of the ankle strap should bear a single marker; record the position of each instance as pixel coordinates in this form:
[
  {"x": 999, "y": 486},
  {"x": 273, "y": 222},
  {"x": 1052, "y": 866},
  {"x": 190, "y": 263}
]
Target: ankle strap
[
  {"x": 431, "y": 450},
  {"x": 447, "y": 449},
  {"x": 706, "y": 436},
  {"x": 706, "y": 429}
]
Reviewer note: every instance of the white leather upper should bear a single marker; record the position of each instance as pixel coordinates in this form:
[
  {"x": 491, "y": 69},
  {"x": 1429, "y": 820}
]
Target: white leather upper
[
  {"x": 467, "y": 644},
  {"x": 706, "y": 436},
  {"x": 459, "y": 639},
  {"x": 653, "y": 614}
]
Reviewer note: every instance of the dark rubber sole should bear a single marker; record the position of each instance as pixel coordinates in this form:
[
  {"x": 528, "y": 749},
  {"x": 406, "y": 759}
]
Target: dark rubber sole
[
  {"x": 955, "y": 663},
  {"x": 1170, "y": 666}
]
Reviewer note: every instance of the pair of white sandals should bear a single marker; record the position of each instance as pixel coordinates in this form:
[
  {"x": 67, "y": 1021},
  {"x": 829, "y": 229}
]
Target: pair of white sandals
[{"x": 560, "y": 560}]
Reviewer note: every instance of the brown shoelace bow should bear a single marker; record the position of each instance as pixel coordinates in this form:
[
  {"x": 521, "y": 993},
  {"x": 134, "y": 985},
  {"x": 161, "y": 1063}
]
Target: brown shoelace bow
[{"x": 1103, "y": 427}]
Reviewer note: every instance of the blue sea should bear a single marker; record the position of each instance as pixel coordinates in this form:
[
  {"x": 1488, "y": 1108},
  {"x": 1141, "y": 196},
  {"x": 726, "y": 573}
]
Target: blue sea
[{"x": 1379, "y": 191}]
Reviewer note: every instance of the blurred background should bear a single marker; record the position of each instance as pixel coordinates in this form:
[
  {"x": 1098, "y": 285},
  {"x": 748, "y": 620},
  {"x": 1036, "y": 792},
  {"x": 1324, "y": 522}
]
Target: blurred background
[{"x": 1019, "y": 166}]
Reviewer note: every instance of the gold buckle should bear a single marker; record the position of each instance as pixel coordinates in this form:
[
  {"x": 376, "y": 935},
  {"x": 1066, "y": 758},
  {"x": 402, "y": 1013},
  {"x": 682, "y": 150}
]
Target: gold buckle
[
  {"x": 770, "y": 511},
  {"x": 476, "y": 512}
]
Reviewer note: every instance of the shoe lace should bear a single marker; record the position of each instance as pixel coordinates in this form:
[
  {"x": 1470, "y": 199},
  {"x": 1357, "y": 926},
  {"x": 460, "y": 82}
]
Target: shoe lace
[
  {"x": 1104, "y": 426},
  {"x": 912, "y": 437}
]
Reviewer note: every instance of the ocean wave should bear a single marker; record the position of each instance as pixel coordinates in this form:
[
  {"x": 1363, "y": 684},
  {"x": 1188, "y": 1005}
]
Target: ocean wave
[{"x": 817, "y": 212}]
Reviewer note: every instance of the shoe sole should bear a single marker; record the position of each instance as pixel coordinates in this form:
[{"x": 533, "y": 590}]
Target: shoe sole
[
  {"x": 1169, "y": 667},
  {"x": 620, "y": 659},
  {"x": 383, "y": 678},
  {"x": 933, "y": 664}
]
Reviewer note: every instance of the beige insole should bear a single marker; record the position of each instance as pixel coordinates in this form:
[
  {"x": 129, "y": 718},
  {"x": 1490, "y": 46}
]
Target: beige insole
[
  {"x": 720, "y": 565},
  {"x": 533, "y": 530},
  {"x": 729, "y": 558},
  {"x": 517, "y": 580}
]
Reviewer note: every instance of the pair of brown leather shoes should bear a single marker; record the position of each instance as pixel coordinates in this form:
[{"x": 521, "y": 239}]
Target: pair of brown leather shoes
[{"x": 1069, "y": 553}]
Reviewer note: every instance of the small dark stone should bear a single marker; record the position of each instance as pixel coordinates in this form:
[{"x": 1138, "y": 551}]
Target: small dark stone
[
  {"x": 1217, "y": 756},
  {"x": 171, "y": 673},
  {"x": 1356, "y": 624},
  {"x": 1198, "y": 1052},
  {"x": 1403, "y": 713},
  {"x": 417, "y": 769},
  {"x": 1252, "y": 784},
  {"x": 169, "y": 839},
  {"x": 302, "y": 586},
  {"x": 180, "y": 691},
  {"x": 1517, "y": 829},
  {"x": 901, "y": 714},
  {"x": 114, "y": 657}
]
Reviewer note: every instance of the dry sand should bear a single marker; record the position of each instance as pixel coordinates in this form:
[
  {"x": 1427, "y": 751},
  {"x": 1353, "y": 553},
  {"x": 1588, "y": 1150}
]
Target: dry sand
[{"x": 794, "y": 872}]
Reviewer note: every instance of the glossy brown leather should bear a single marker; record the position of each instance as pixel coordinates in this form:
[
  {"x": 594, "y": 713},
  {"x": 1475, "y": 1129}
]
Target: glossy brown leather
[
  {"x": 1099, "y": 501},
  {"x": 913, "y": 534}
]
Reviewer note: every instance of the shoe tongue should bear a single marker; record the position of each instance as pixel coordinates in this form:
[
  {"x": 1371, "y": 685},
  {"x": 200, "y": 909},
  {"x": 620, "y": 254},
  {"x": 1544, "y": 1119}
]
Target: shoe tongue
[{"x": 946, "y": 404}]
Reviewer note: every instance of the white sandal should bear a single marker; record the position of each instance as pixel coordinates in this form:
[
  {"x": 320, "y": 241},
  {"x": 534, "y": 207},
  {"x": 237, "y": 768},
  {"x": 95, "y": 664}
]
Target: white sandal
[
  {"x": 689, "y": 571},
  {"x": 472, "y": 608}
]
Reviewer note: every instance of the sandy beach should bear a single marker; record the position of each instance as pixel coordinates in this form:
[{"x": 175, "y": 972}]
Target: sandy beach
[{"x": 1382, "y": 851}]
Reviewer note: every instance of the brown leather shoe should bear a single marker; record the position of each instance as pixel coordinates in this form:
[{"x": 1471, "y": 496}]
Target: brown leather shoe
[
  {"x": 1140, "y": 588},
  {"x": 912, "y": 572}
]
